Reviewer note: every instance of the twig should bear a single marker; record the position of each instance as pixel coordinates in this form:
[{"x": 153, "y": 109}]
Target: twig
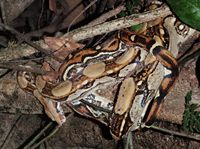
[
  {"x": 22, "y": 61},
  {"x": 193, "y": 137},
  {"x": 24, "y": 38},
  {"x": 39, "y": 135},
  {"x": 10, "y": 131},
  {"x": 128, "y": 141},
  {"x": 84, "y": 33},
  {"x": 57, "y": 22},
  {"x": 41, "y": 13},
  {"x": 195, "y": 53},
  {"x": 3, "y": 15},
  {"x": 64, "y": 4},
  {"x": 106, "y": 16},
  {"x": 88, "y": 6},
  {"x": 20, "y": 67},
  {"x": 101, "y": 6},
  {"x": 47, "y": 137}
]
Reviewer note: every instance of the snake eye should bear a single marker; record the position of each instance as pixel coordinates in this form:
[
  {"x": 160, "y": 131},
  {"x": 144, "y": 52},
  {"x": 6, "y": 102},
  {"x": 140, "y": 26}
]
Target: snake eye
[{"x": 181, "y": 28}]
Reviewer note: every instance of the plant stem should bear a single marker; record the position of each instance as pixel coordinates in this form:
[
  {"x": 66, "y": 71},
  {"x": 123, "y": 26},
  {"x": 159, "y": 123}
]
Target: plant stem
[{"x": 179, "y": 134}]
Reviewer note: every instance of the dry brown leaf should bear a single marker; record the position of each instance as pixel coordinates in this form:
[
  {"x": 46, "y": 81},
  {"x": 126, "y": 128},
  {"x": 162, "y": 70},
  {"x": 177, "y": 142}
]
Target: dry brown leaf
[
  {"x": 51, "y": 75},
  {"x": 62, "y": 47},
  {"x": 52, "y": 6}
]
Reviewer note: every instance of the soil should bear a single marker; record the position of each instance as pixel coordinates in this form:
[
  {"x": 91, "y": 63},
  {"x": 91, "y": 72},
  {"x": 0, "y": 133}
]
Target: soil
[{"x": 80, "y": 133}]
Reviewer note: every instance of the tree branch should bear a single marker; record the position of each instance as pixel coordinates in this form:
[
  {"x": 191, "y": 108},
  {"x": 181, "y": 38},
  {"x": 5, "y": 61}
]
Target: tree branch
[
  {"x": 121, "y": 23},
  {"x": 87, "y": 32}
]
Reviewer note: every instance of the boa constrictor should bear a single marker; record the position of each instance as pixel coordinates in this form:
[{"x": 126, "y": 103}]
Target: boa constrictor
[{"x": 120, "y": 82}]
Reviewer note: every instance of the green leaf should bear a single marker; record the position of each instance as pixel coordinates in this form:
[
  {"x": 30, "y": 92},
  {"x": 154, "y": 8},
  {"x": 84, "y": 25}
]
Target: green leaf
[
  {"x": 129, "y": 7},
  {"x": 187, "y": 10},
  {"x": 135, "y": 2},
  {"x": 193, "y": 107},
  {"x": 122, "y": 14},
  {"x": 188, "y": 97},
  {"x": 136, "y": 27},
  {"x": 191, "y": 117}
]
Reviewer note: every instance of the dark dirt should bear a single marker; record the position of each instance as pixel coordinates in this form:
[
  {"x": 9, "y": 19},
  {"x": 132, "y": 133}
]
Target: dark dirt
[{"x": 80, "y": 133}]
